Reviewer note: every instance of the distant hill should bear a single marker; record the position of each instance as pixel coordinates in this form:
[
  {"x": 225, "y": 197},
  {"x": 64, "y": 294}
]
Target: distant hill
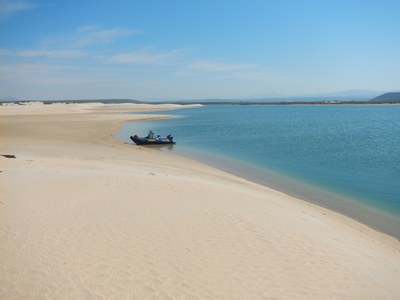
[
  {"x": 393, "y": 97},
  {"x": 348, "y": 95},
  {"x": 355, "y": 95},
  {"x": 8, "y": 99}
]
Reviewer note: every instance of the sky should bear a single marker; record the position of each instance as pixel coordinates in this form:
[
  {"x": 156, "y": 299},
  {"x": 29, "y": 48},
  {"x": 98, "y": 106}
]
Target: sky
[{"x": 197, "y": 49}]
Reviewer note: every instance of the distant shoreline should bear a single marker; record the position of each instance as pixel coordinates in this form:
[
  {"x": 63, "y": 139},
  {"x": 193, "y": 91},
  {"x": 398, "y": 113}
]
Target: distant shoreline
[
  {"x": 205, "y": 102},
  {"x": 385, "y": 98}
]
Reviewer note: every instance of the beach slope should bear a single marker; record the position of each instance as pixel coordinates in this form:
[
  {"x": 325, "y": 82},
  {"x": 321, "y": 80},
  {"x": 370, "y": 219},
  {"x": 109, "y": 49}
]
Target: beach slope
[{"x": 85, "y": 216}]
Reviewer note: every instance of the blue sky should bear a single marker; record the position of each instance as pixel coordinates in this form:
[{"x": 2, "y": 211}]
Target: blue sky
[{"x": 196, "y": 49}]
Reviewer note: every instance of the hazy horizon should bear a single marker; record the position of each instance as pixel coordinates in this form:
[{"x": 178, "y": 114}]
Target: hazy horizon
[{"x": 349, "y": 95}]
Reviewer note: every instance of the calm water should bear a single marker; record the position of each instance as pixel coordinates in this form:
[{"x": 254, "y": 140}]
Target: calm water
[{"x": 346, "y": 152}]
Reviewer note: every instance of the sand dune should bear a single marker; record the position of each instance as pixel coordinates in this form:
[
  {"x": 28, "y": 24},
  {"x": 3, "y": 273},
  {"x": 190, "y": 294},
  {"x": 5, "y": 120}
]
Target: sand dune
[{"x": 84, "y": 216}]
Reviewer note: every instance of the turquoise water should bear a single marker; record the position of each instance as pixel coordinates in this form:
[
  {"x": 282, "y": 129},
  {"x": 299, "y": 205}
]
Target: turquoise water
[{"x": 348, "y": 151}]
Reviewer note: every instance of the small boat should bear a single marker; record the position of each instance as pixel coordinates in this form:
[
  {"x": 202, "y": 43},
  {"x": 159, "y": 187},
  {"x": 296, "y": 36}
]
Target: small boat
[{"x": 151, "y": 139}]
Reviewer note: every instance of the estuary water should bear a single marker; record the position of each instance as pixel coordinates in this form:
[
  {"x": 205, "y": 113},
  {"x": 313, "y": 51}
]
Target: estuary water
[{"x": 343, "y": 157}]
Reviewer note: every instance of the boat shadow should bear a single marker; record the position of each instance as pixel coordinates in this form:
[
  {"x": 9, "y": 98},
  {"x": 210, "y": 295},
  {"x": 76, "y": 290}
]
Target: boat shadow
[{"x": 161, "y": 147}]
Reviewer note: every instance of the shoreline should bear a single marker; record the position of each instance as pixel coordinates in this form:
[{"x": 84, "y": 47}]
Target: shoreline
[
  {"x": 374, "y": 218},
  {"x": 99, "y": 218}
]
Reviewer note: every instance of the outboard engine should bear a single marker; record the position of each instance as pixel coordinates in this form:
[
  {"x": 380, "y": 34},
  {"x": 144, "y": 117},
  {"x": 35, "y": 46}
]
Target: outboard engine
[{"x": 170, "y": 137}]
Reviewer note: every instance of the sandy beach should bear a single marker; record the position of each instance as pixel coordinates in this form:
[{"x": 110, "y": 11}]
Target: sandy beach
[{"x": 85, "y": 216}]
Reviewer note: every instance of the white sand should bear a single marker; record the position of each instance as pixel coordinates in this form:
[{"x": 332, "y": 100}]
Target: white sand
[{"x": 84, "y": 216}]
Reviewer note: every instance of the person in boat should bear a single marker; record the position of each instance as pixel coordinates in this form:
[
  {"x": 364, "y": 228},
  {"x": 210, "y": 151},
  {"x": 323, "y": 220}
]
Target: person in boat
[
  {"x": 150, "y": 135},
  {"x": 170, "y": 137}
]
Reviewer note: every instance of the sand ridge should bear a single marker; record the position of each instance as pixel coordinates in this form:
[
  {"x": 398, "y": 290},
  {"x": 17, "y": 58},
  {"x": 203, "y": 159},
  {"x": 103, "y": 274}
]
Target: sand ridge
[{"x": 85, "y": 216}]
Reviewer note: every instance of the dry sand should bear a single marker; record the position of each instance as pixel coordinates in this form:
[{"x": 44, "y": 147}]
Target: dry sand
[{"x": 84, "y": 216}]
